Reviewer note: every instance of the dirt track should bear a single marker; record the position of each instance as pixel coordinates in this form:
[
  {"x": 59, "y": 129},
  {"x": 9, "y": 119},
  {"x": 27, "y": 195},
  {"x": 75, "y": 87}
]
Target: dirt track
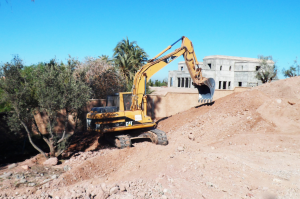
[{"x": 245, "y": 145}]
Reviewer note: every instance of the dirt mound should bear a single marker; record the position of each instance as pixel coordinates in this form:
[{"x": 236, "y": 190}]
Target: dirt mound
[{"x": 244, "y": 145}]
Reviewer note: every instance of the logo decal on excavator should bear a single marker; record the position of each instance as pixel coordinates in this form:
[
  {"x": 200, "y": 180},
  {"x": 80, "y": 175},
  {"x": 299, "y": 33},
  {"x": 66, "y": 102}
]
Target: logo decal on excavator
[
  {"x": 168, "y": 60},
  {"x": 129, "y": 123}
]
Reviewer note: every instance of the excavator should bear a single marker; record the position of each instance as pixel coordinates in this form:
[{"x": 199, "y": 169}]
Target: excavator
[{"x": 125, "y": 116}]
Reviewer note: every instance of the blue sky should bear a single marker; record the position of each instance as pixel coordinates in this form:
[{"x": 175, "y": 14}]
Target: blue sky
[{"x": 44, "y": 29}]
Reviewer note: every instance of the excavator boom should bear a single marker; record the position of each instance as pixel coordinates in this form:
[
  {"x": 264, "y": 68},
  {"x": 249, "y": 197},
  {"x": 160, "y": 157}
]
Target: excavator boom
[{"x": 205, "y": 86}]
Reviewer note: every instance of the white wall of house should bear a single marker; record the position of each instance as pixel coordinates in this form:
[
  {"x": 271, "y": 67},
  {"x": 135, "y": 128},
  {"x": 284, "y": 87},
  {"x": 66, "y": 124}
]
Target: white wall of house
[{"x": 227, "y": 71}]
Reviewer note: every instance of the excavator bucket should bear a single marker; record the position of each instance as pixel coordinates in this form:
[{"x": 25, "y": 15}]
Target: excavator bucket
[{"x": 206, "y": 91}]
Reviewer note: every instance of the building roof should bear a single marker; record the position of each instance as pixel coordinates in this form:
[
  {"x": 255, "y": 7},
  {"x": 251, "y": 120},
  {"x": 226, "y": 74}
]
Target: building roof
[
  {"x": 234, "y": 58},
  {"x": 183, "y": 62}
]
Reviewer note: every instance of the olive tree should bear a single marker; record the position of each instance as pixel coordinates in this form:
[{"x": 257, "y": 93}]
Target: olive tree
[
  {"x": 293, "y": 70},
  {"x": 48, "y": 89},
  {"x": 268, "y": 70}
]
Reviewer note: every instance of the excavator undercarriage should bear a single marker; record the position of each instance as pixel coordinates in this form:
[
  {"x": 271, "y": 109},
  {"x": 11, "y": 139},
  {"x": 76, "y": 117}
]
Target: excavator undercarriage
[{"x": 123, "y": 140}]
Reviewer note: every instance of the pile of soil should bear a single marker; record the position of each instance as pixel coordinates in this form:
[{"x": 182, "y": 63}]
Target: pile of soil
[{"x": 245, "y": 145}]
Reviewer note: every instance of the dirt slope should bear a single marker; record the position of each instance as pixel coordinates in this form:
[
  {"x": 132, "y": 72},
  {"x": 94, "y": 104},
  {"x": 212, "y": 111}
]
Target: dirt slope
[{"x": 245, "y": 145}]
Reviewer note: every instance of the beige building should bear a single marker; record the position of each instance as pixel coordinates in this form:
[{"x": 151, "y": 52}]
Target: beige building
[{"x": 228, "y": 72}]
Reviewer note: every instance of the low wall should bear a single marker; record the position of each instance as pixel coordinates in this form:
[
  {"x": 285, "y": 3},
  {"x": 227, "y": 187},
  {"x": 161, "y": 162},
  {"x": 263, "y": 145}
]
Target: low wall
[
  {"x": 41, "y": 120},
  {"x": 174, "y": 102},
  {"x": 159, "y": 105}
]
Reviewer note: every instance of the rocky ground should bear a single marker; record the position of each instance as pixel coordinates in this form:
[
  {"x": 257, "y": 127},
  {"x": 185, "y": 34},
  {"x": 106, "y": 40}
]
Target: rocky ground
[{"x": 245, "y": 145}]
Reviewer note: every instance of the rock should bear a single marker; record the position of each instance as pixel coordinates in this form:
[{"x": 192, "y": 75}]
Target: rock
[
  {"x": 32, "y": 184},
  {"x": 165, "y": 190},
  {"x": 210, "y": 184},
  {"x": 47, "y": 180},
  {"x": 67, "y": 168},
  {"x": 103, "y": 186},
  {"x": 47, "y": 185},
  {"x": 6, "y": 175},
  {"x": 127, "y": 196},
  {"x": 180, "y": 148},
  {"x": 164, "y": 197},
  {"x": 23, "y": 180},
  {"x": 141, "y": 194},
  {"x": 113, "y": 190},
  {"x": 54, "y": 177},
  {"x": 18, "y": 176},
  {"x": 100, "y": 195},
  {"x": 276, "y": 180},
  {"x": 12, "y": 166},
  {"x": 51, "y": 161},
  {"x": 25, "y": 167},
  {"x": 66, "y": 155},
  {"x": 191, "y": 136},
  {"x": 291, "y": 103},
  {"x": 122, "y": 187},
  {"x": 278, "y": 101}
]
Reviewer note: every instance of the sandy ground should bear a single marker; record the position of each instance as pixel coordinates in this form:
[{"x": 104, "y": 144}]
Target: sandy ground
[{"x": 245, "y": 145}]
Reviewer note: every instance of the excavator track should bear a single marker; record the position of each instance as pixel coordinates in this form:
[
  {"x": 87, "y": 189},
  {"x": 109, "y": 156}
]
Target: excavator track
[
  {"x": 122, "y": 141},
  {"x": 161, "y": 137}
]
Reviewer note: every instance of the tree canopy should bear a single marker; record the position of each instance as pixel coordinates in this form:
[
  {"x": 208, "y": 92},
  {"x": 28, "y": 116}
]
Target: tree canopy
[
  {"x": 268, "y": 70},
  {"x": 129, "y": 57},
  {"x": 293, "y": 70},
  {"x": 103, "y": 78},
  {"x": 44, "y": 89}
]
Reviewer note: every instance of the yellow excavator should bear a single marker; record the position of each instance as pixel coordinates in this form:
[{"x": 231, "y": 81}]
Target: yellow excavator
[{"x": 125, "y": 116}]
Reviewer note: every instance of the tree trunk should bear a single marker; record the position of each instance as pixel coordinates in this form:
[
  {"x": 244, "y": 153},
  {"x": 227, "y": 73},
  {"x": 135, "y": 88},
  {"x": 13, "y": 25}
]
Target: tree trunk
[
  {"x": 272, "y": 77},
  {"x": 31, "y": 142},
  {"x": 52, "y": 149}
]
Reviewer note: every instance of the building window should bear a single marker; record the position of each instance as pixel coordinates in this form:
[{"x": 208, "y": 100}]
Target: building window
[
  {"x": 220, "y": 84},
  {"x": 182, "y": 82},
  {"x": 171, "y": 81},
  {"x": 229, "y": 85},
  {"x": 242, "y": 67},
  {"x": 186, "y": 82},
  {"x": 178, "y": 79},
  {"x": 229, "y": 68},
  {"x": 224, "y": 85},
  {"x": 220, "y": 67},
  {"x": 257, "y": 68},
  {"x": 190, "y": 82},
  {"x": 181, "y": 68},
  {"x": 240, "y": 84},
  {"x": 209, "y": 65}
]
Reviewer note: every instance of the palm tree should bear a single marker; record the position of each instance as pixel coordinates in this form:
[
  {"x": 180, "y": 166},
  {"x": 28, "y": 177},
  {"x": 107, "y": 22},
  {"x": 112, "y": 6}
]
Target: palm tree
[
  {"x": 129, "y": 57},
  {"x": 106, "y": 59}
]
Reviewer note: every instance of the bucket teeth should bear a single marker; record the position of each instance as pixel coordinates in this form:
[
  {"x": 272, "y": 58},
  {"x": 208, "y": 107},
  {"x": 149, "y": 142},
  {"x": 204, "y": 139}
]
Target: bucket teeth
[{"x": 205, "y": 100}]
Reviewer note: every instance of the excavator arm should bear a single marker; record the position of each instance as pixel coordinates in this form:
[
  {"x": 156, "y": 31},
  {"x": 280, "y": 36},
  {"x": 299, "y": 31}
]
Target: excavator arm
[{"x": 205, "y": 86}]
